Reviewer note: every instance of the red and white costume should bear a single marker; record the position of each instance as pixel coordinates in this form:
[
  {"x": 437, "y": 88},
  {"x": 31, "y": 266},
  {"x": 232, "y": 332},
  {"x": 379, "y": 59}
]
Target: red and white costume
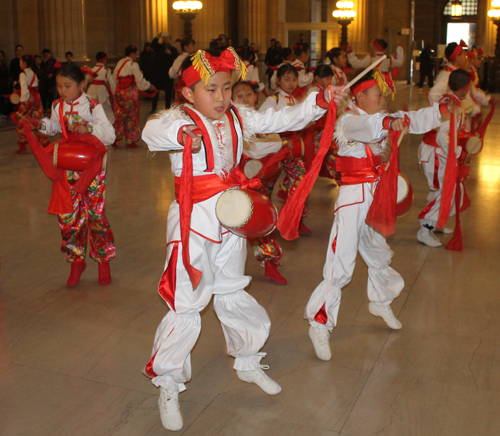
[
  {"x": 103, "y": 88},
  {"x": 253, "y": 75},
  {"x": 219, "y": 254},
  {"x": 339, "y": 77},
  {"x": 175, "y": 69},
  {"x": 385, "y": 65},
  {"x": 361, "y": 139}
]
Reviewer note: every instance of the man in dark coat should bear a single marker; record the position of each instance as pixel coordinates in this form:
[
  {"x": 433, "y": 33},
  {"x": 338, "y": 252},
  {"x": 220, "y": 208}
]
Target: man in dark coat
[{"x": 165, "y": 55}]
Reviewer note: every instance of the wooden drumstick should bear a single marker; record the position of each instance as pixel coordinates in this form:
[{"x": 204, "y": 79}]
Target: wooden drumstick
[{"x": 370, "y": 67}]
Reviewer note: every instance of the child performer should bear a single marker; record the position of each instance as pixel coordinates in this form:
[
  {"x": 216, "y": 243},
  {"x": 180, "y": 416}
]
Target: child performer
[
  {"x": 129, "y": 81},
  {"x": 30, "y": 102},
  {"x": 287, "y": 80},
  {"x": 103, "y": 85},
  {"x": 302, "y": 53},
  {"x": 248, "y": 56},
  {"x": 217, "y": 256},
  {"x": 361, "y": 135},
  {"x": 433, "y": 156},
  {"x": 378, "y": 49},
  {"x": 76, "y": 112},
  {"x": 287, "y": 55},
  {"x": 338, "y": 59},
  {"x": 188, "y": 46}
]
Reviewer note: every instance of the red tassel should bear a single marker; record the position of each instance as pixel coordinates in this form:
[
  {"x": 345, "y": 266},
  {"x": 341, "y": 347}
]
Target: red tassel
[
  {"x": 456, "y": 243},
  {"x": 482, "y": 128},
  {"x": 186, "y": 207},
  {"x": 382, "y": 213},
  {"x": 290, "y": 215},
  {"x": 450, "y": 177}
]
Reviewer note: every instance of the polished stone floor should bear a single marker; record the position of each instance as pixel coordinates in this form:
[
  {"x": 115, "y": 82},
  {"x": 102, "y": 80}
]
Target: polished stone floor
[{"x": 71, "y": 359}]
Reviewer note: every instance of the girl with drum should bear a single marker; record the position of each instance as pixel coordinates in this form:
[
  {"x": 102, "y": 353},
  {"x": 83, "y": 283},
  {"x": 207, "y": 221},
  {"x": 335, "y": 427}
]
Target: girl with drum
[
  {"x": 76, "y": 112},
  {"x": 361, "y": 134},
  {"x": 205, "y": 259},
  {"x": 30, "y": 104}
]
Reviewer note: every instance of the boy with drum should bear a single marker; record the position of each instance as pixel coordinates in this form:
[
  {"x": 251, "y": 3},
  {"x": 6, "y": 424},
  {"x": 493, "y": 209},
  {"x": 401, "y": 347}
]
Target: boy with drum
[
  {"x": 203, "y": 258},
  {"x": 361, "y": 134}
]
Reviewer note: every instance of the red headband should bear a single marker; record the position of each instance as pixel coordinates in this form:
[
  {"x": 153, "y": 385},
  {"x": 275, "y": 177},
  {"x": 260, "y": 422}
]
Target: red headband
[
  {"x": 377, "y": 45},
  {"x": 380, "y": 78},
  {"x": 456, "y": 52},
  {"x": 205, "y": 65},
  {"x": 363, "y": 86},
  {"x": 103, "y": 59}
]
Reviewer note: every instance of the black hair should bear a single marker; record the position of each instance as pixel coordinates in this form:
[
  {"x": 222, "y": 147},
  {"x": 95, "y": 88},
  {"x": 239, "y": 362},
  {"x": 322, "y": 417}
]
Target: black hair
[
  {"x": 68, "y": 53},
  {"x": 255, "y": 87},
  {"x": 30, "y": 60},
  {"x": 272, "y": 39},
  {"x": 185, "y": 42},
  {"x": 450, "y": 48},
  {"x": 18, "y": 45},
  {"x": 382, "y": 43},
  {"x": 100, "y": 55},
  {"x": 323, "y": 71},
  {"x": 246, "y": 53},
  {"x": 285, "y": 68},
  {"x": 73, "y": 72},
  {"x": 130, "y": 49},
  {"x": 366, "y": 77},
  {"x": 46, "y": 50},
  {"x": 458, "y": 79},
  {"x": 286, "y": 52},
  {"x": 334, "y": 53},
  {"x": 300, "y": 48}
]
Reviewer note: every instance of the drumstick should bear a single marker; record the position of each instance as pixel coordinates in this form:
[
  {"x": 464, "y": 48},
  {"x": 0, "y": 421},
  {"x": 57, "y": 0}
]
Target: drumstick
[{"x": 360, "y": 75}]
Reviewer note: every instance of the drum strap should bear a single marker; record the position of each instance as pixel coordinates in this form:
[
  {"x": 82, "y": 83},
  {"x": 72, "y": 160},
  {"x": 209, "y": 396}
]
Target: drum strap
[{"x": 205, "y": 187}]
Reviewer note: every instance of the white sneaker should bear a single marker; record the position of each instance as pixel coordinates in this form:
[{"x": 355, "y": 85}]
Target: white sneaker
[
  {"x": 445, "y": 231},
  {"x": 170, "y": 412},
  {"x": 385, "y": 311},
  {"x": 257, "y": 376},
  {"x": 321, "y": 341},
  {"x": 426, "y": 236}
]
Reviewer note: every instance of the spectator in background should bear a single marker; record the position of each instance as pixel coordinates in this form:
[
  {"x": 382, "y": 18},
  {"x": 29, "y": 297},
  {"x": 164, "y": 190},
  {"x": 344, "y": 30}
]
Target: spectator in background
[
  {"x": 165, "y": 55},
  {"x": 302, "y": 39},
  {"x": 49, "y": 66},
  {"x": 222, "y": 42},
  {"x": 69, "y": 58},
  {"x": 15, "y": 66},
  {"x": 273, "y": 57},
  {"x": 427, "y": 66},
  {"x": 147, "y": 61},
  {"x": 4, "y": 86}
]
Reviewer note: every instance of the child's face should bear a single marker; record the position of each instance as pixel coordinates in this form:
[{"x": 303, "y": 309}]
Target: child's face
[
  {"x": 304, "y": 56},
  {"x": 244, "y": 94},
  {"x": 22, "y": 64},
  {"x": 190, "y": 48},
  {"x": 341, "y": 61},
  {"x": 133, "y": 56},
  {"x": 461, "y": 93},
  {"x": 68, "y": 89},
  {"x": 288, "y": 82},
  {"x": 461, "y": 60},
  {"x": 38, "y": 61},
  {"x": 325, "y": 82},
  {"x": 477, "y": 62},
  {"x": 69, "y": 58},
  {"x": 372, "y": 100},
  {"x": 211, "y": 100}
]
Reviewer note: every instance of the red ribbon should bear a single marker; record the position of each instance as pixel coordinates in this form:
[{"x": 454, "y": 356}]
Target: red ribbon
[{"x": 225, "y": 62}]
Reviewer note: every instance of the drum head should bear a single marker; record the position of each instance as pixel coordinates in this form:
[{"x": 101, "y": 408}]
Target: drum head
[
  {"x": 252, "y": 168},
  {"x": 234, "y": 208},
  {"x": 473, "y": 145},
  {"x": 403, "y": 189},
  {"x": 15, "y": 98}
]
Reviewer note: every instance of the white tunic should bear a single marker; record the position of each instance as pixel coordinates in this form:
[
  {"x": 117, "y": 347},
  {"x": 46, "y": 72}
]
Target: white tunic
[
  {"x": 385, "y": 65},
  {"x": 25, "y": 79},
  {"x": 175, "y": 69},
  {"x": 80, "y": 111},
  {"x": 99, "y": 92},
  {"x": 131, "y": 69}
]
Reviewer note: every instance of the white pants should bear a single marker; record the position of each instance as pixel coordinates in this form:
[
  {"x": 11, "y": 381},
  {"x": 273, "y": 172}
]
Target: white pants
[
  {"x": 350, "y": 234},
  {"x": 245, "y": 323},
  {"x": 434, "y": 170}
]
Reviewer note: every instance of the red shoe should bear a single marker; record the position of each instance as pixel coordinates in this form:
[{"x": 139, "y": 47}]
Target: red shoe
[
  {"x": 303, "y": 229},
  {"x": 282, "y": 194},
  {"x": 132, "y": 145},
  {"x": 104, "y": 273},
  {"x": 273, "y": 274},
  {"x": 21, "y": 149},
  {"x": 77, "y": 269}
]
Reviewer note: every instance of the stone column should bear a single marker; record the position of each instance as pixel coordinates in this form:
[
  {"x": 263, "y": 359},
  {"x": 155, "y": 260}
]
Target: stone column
[
  {"x": 253, "y": 22},
  {"x": 62, "y": 28}
]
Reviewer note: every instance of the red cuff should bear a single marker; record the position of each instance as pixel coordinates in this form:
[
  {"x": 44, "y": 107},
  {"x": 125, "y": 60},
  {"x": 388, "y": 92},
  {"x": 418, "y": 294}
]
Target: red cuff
[
  {"x": 320, "y": 100},
  {"x": 349, "y": 49},
  {"x": 386, "y": 123},
  {"x": 179, "y": 135},
  {"x": 443, "y": 109}
]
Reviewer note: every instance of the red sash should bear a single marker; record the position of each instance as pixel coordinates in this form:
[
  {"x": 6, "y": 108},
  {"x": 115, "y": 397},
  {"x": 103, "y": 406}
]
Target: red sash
[
  {"x": 103, "y": 83},
  {"x": 355, "y": 171}
]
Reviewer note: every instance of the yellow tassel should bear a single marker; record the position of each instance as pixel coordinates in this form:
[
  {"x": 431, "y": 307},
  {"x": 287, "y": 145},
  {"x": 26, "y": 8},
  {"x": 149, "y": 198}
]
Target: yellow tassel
[
  {"x": 201, "y": 64},
  {"x": 382, "y": 83}
]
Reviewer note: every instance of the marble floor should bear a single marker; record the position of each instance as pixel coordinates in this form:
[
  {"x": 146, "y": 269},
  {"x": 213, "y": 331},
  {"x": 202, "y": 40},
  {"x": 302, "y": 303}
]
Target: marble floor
[{"x": 71, "y": 359}]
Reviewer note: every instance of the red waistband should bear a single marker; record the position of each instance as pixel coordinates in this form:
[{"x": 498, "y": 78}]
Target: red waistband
[
  {"x": 205, "y": 187},
  {"x": 125, "y": 82},
  {"x": 430, "y": 138},
  {"x": 354, "y": 171},
  {"x": 99, "y": 82}
]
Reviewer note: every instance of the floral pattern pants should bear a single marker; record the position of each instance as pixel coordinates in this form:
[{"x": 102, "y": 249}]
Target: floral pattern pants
[
  {"x": 31, "y": 108},
  {"x": 127, "y": 114},
  {"x": 87, "y": 221}
]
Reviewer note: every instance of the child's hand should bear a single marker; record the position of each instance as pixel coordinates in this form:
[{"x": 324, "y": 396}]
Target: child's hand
[
  {"x": 189, "y": 130},
  {"x": 397, "y": 124},
  {"x": 80, "y": 128},
  {"x": 33, "y": 123},
  {"x": 386, "y": 152},
  {"x": 453, "y": 106},
  {"x": 152, "y": 88},
  {"x": 335, "y": 93}
]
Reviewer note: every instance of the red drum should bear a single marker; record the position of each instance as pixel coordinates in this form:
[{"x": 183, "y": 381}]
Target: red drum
[
  {"x": 405, "y": 196},
  {"x": 74, "y": 156},
  {"x": 252, "y": 167},
  {"x": 15, "y": 97},
  {"x": 246, "y": 213},
  {"x": 297, "y": 147}
]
